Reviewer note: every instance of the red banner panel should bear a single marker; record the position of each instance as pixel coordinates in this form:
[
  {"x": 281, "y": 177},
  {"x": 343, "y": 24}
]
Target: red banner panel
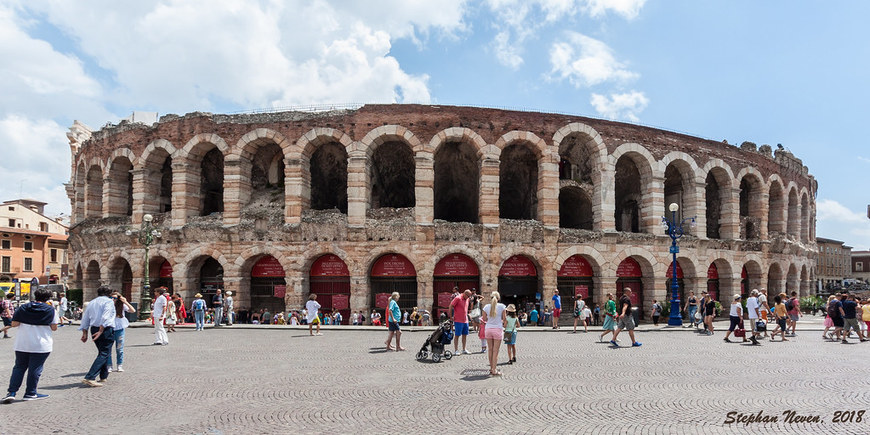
[
  {"x": 518, "y": 265},
  {"x": 743, "y": 274},
  {"x": 670, "y": 271},
  {"x": 393, "y": 265},
  {"x": 629, "y": 268},
  {"x": 267, "y": 267},
  {"x": 340, "y": 302},
  {"x": 166, "y": 270},
  {"x": 279, "y": 291},
  {"x": 581, "y": 291},
  {"x": 329, "y": 265},
  {"x": 713, "y": 271},
  {"x": 382, "y": 300},
  {"x": 456, "y": 265},
  {"x": 575, "y": 266},
  {"x": 444, "y": 299}
]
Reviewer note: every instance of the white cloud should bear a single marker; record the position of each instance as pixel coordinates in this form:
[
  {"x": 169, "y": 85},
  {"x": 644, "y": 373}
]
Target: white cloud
[
  {"x": 836, "y": 221},
  {"x": 518, "y": 20},
  {"x": 618, "y": 106},
  {"x": 585, "y": 61}
]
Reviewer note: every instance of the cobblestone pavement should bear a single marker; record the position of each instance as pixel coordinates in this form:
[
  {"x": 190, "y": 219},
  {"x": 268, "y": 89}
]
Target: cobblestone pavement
[{"x": 236, "y": 380}]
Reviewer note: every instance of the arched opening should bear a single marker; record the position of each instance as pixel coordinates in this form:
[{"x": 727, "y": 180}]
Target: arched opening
[
  {"x": 164, "y": 199},
  {"x": 518, "y": 183},
  {"x": 750, "y": 278},
  {"x": 750, "y": 207},
  {"x": 94, "y": 193},
  {"x": 120, "y": 187},
  {"x": 577, "y": 158},
  {"x": 805, "y": 282},
  {"x": 393, "y": 273},
  {"x": 392, "y": 176},
  {"x": 679, "y": 190},
  {"x": 267, "y": 176},
  {"x": 158, "y": 182},
  {"x": 791, "y": 281},
  {"x": 212, "y": 182},
  {"x": 78, "y": 280},
  {"x": 160, "y": 274},
  {"x": 628, "y": 195},
  {"x": 454, "y": 270},
  {"x": 328, "y": 168},
  {"x": 774, "y": 280},
  {"x": 575, "y": 281},
  {"x": 716, "y": 196},
  {"x": 457, "y": 175},
  {"x": 630, "y": 275},
  {"x": 211, "y": 278},
  {"x": 794, "y": 215},
  {"x": 518, "y": 283},
  {"x": 330, "y": 281},
  {"x": 268, "y": 286},
  {"x": 805, "y": 218},
  {"x": 92, "y": 280},
  {"x": 713, "y": 281},
  {"x": 122, "y": 278},
  {"x": 575, "y": 208},
  {"x": 776, "y": 205}
]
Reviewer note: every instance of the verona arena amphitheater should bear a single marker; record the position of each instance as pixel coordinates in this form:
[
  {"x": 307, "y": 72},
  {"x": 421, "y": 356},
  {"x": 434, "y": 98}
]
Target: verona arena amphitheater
[{"x": 354, "y": 204}]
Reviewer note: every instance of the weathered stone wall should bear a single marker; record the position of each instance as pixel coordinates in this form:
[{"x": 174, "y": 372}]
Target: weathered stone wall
[{"x": 275, "y": 217}]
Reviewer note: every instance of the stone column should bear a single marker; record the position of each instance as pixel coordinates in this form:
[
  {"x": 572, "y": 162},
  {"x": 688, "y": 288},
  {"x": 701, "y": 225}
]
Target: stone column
[
  {"x": 297, "y": 189},
  {"x": 698, "y": 208},
  {"x": 357, "y": 189},
  {"x": 548, "y": 190},
  {"x": 729, "y": 219},
  {"x": 489, "y": 191},
  {"x": 145, "y": 194},
  {"x": 186, "y": 198},
  {"x": 764, "y": 213},
  {"x": 237, "y": 189},
  {"x": 424, "y": 182},
  {"x": 604, "y": 201},
  {"x": 653, "y": 207}
]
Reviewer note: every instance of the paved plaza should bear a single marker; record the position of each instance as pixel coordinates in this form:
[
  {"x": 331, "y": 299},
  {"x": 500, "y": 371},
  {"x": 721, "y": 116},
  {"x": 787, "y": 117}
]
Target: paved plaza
[{"x": 280, "y": 380}]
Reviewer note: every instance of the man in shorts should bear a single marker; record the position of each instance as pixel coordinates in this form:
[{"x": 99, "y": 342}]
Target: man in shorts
[
  {"x": 557, "y": 309},
  {"x": 625, "y": 320},
  {"x": 459, "y": 314},
  {"x": 763, "y": 306},
  {"x": 752, "y": 309},
  {"x": 849, "y": 311},
  {"x": 794, "y": 314}
]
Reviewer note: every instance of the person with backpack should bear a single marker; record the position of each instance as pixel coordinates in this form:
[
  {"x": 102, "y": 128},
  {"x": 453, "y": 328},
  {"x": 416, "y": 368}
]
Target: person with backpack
[
  {"x": 579, "y": 308},
  {"x": 198, "y": 307},
  {"x": 656, "y": 312}
]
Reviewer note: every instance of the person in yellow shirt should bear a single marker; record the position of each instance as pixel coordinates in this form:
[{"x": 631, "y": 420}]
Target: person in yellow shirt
[
  {"x": 781, "y": 316},
  {"x": 865, "y": 313}
]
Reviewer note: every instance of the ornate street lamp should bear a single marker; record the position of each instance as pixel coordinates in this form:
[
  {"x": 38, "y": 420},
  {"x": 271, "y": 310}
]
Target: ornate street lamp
[
  {"x": 675, "y": 230},
  {"x": 146, "y": 234}
]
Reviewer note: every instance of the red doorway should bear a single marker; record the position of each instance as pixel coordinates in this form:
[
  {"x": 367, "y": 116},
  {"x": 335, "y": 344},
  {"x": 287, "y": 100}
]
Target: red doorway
[{"x": 330, "y": 281}]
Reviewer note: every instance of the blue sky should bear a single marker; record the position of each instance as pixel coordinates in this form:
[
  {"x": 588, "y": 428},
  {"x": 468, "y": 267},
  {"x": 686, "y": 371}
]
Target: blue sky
[{"x": 771, "y": 72}]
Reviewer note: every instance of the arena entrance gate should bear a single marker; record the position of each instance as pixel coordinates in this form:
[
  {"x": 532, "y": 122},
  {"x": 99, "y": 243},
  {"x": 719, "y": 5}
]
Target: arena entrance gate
[
  {"x": 574, "y": 280},
  {"x": 454, "y": 270},
  {"x": 329, "y": 279},
  {"x": 713, "y": 281},
  {"x": 393, "y": 273},
  {"x": 164, "y": 278},
  {"x": 518, "y": 283},
  {"x": 211, "y": 278},
  {"x": 268, "y": 285},
  {"x": 629, "y": 274}
]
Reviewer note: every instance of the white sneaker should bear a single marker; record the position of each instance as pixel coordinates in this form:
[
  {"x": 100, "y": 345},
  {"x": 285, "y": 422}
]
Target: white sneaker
[
  {"x": 465, "y": 351},
  {"x": 120, "y": 368}
]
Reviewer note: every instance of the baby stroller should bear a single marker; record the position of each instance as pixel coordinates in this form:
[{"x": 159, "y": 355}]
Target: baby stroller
[{"x": 441, "y": 337}]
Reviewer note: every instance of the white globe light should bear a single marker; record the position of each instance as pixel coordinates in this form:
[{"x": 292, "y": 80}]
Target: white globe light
[
  {"x": 147, "y": 218},
  {"x": 674, "y": 207}
]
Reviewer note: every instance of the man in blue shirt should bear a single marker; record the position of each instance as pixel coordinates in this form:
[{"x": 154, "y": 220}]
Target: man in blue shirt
[
  {"x": 98, "y": 321},
  {"x": 849, "y": 311},
  {"x": 557, "y": 309}
]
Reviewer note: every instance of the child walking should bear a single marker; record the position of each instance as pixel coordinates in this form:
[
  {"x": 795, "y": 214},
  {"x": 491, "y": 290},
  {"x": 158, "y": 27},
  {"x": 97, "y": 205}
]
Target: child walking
[
  {"x": 511, "y": 325},
  {"x": 481, "y": 330}
]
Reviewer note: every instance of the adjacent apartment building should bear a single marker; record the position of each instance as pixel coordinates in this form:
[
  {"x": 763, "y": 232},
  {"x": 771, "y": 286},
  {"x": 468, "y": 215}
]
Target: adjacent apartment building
[
  {"x": 833, "y": 265},
  {"x": 31, "y": 243},
  {"x": 861, "y": 265}
]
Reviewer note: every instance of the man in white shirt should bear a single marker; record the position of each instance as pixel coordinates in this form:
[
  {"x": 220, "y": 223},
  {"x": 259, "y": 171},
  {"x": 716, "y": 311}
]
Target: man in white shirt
[
  {"x": 228, "y": 303},
  {"x": 157, "y": 315},
  {"x": 98, "y": 321},
  {"x": 64, "y": 307},
  {"x": 752, "y": 310}
]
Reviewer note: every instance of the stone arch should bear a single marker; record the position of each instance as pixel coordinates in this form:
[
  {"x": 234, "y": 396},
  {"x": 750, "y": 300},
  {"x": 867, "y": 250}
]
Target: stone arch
[
  {"x": 429, "y": 266},
  {"x": 634, "y": 170},
  {"x": 121, "y": 273},
  {"x": 718, "y": 200},
  {"x": 247, "y": 145},
  {"x": 751, "y": 206},
  {"x": 575, "y": 208},
  {"x": 364, "y": 266},
  {"x": 792, "y": 282},
  {"x": 154, "y": 153},
  {"x": 156, "y": 173},
  {"x": 93, "y": 279},
  {"x": 805, "y": 216},
  {"x": 754, "y": 274},
  {"x": 728, "y": 282},
  {"x": 391, "y": 151},
  {"x": 457, "y": 170},
  {"x": 776, "y": 219},
  {"x": 775, "y": 279},
  {"x": 197, "y": 146},
  {"x": 204, "y": 155},
  {"x": 648, "y": 264},
  {"x": 521, "y": 190},
  {"x": 680, "y": 184},
  {"x": 595, "y": 259},
  {"x": 595, "y": 143},
  {"x": 119, "y": 183}
]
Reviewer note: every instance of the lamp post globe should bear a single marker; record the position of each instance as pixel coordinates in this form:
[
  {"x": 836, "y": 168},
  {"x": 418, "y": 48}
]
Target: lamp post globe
[{"x": 674, "y": 230}]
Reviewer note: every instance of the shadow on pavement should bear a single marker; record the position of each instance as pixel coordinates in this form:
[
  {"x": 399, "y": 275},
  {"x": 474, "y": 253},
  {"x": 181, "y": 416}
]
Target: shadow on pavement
[
  {"x": 475, "y": 374},
  {"x": 64, "y": 386},
  {"x": 74, "y": 375}
]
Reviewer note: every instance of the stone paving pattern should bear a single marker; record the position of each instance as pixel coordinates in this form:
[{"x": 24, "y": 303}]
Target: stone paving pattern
[{"x": 281, "y": 380}]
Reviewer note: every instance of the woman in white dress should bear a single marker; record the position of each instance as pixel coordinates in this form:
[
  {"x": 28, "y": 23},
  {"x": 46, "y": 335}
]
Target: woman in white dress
[{"x": 312, "y": 306}]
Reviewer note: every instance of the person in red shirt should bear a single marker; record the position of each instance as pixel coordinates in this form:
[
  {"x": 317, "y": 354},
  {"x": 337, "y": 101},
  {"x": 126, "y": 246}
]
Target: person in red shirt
[{"x": 459, "y": 314}]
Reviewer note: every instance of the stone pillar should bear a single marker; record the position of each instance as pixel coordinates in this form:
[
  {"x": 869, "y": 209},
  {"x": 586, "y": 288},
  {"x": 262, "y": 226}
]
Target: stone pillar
[
  {"x": 115, "y": 195},
  {"x": 186, "y": 198},
  {"x": 424, "y": 193},
  {"x": 653, "y": 207},
  {"x": 729, "y": 220},
  {"x": 548, "y": 190},
  {"x": 146, "y": 194},
  {"x": 237, "y": 189},
  {"x": 357, "y": 189},
  {"x": 698, "y": 209},
  {"x": 764, "y": 213},
  {"x": 604, "y": 201},
  {"x": 360, "y": 298},
  {"x": 297, "y": 189},
  {"x": 488, "y": 202}
]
